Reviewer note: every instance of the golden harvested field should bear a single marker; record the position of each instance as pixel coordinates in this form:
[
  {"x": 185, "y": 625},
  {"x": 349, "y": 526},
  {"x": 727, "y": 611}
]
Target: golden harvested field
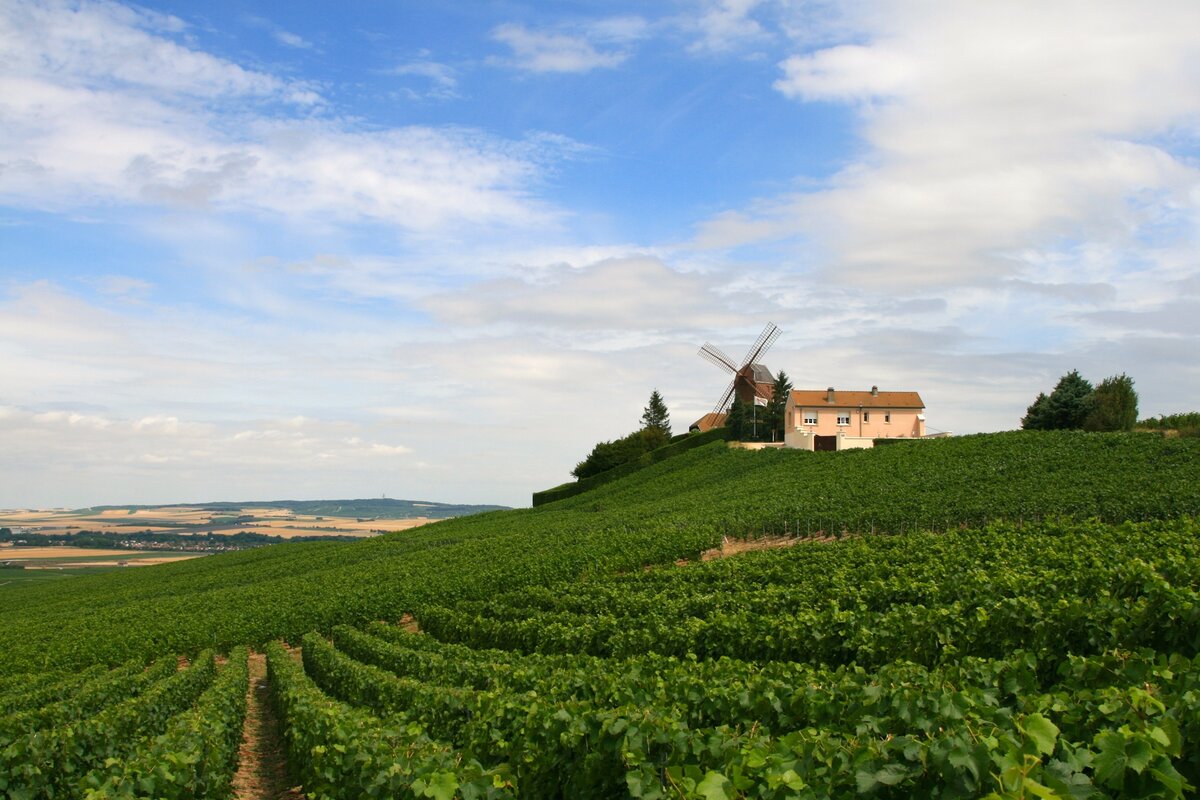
[
  {"x": 9, "y": 553},
  {"x": 71, "y": 557},
  {"x": 309, "y": 526},
  {"x": 184, "y": 520},
  {"x": 146, "y": 561}
]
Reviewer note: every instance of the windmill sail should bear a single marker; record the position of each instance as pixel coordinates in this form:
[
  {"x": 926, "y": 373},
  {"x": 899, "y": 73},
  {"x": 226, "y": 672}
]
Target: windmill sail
[
  {"x": 723, "y": 403},
  {"x": 747, "y": 378},
  {"x": 765, "y": 340},
  {"x": 714, "y": 354}
]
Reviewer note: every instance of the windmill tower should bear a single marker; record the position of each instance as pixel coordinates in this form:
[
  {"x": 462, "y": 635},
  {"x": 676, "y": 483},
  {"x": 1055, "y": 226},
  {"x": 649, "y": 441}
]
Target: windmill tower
[{"x": 751, "y": 382}]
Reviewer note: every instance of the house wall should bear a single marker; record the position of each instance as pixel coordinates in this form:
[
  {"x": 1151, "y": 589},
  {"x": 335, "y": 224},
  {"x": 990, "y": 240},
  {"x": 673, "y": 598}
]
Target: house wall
[
  {"x": 803, "y": 440},
  {"x": 798, "y": 440},
  {"x": 868, "y": 423}
]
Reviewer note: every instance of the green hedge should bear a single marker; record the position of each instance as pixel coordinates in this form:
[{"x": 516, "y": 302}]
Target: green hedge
[
  {"x": 679, "y": 444},
  {"x": 883, "y": 442}
]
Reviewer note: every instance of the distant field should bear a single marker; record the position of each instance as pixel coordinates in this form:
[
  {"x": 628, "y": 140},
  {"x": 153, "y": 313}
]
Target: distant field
[
  {"x": 192, "y": 519},
  {"x": 32, "y": 558},
  {"x": 10, "y": 577},
  {"x": 46, "y": 545},
  {"x": 23, "y": 565}
]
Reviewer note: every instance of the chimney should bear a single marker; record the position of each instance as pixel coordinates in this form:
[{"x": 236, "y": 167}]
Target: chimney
[
  {"x": 829, "y": 397},
  {"x": 874, "y": 391}
]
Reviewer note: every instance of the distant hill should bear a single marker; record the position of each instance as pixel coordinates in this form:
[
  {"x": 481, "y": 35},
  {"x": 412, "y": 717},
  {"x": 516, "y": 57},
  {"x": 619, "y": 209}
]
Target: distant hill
[{"x": 384, "y": 507}]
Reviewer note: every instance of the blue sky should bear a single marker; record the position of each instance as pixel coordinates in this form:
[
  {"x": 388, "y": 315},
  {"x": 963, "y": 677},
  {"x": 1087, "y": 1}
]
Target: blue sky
[{"x": 437, "y": 250}]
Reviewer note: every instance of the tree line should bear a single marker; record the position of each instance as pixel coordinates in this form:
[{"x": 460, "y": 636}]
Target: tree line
[{"x": 1075, "y": 404}]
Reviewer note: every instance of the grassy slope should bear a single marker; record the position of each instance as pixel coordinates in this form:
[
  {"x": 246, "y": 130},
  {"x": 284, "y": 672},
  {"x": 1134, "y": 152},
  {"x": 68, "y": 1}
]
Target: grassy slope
[{"x": 670, "y": 510}]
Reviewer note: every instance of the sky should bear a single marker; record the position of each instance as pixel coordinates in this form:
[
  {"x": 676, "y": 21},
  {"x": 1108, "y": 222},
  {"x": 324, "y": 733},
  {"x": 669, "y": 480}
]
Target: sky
[{"x": 254, "y": 250}]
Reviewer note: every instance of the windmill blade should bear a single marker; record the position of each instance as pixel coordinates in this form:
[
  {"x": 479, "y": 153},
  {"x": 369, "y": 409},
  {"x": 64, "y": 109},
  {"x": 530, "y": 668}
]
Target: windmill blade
[
  {"x": 723, "y": 404},
  {"x": 765, "y": 340},
  {"x": 713, "y": 353}
]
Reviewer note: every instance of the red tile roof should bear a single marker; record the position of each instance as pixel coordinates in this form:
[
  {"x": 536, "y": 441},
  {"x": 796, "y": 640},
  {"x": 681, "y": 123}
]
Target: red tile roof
[
  {"x": 818, "y": 398},
  {"x": 708, "y": 422}
]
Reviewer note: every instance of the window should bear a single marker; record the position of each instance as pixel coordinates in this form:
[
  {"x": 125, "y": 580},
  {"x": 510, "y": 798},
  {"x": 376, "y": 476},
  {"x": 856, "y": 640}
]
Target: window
[
  {"x": 887, "y": 416},
  {"x": 810, "y": 418},
  {"x": 866, "y": 416},
  {"x": 843, "y": 419}
]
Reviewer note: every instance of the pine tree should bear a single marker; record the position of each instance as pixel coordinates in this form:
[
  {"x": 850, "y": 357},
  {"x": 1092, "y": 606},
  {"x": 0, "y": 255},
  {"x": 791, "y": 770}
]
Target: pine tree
[
  {"x": 656, "y": 415},
  {"x": 738, "y": 421},
  {"x": 1036, "y": 416},
  {"x": 1071, "y": 402},
  {"x": 777, "y": 406},
  {"x": 1067, "y": 407}
]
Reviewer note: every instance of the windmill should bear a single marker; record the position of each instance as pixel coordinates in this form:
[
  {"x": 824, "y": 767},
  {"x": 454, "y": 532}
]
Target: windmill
[{"x": 751, "y": 381}]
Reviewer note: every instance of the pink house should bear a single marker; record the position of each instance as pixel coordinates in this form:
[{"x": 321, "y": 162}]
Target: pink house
[{"x": 831, "y": 420}]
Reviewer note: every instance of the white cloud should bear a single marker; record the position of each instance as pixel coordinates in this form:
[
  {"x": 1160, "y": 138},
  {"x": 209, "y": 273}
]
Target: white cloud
[
  {"x": 847, "y": 72},
  {"x": 122, "y": 286},
  {"x": 633, "y": 293},
  {"x": 995, "y": 138},
  {"x": 92, "y": 44},
  {"x": 98, "y": 106},
  {"x": 136, "y": 449},
  {"x": 291, "y": 39},
  {"x": 724, "y": 25},
  {"x": 283, "y": 37},
  {"x": 185, "y": 403},
  {"x": 442, "y": 78},
  {"x": 598, "y": 45}
]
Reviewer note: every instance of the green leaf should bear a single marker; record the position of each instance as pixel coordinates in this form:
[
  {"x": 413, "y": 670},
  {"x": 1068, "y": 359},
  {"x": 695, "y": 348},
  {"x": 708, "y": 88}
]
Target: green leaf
[
  {"x": 792, "y": 780},
  {"x": 1138, "y": 755},
  {"x": 1038, "y": 790},
  {"x": 1166, "y": 733},
  {"x": 1167, "y": 776},
  {"x": 1109, "y": 763},
  {"x": 1042, "y": 731},
  {"x": 888, "y": 775},
  {"x": 713, "y": 786},
  {"x": 442, "y": 786}
]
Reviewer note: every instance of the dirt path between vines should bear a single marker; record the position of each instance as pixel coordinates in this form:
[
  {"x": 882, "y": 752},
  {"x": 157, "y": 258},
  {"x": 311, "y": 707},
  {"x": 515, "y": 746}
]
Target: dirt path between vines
[{"x": 262, "y": 767}]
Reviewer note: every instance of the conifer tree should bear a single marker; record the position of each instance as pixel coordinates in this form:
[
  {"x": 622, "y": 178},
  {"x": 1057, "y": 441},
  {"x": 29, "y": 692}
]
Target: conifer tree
[
  {"x": 777, "y": 407},
  {"x": 738, "y": 421},
  {"x": 1036, "y": 416},
  {"x": 1071, "y": 401},
  {"x": 656, "y": 415},
  {"x": 1067, "y": 407}
]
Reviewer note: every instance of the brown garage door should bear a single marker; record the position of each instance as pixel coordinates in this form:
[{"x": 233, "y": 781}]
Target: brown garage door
[{"x": 824, "y": 443}]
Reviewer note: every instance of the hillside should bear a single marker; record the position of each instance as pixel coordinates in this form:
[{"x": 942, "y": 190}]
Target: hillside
[{"x": 1041, "y": 581}]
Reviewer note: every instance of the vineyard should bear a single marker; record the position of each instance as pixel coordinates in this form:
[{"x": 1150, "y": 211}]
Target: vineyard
[{"x": 1008, "y": 616}]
